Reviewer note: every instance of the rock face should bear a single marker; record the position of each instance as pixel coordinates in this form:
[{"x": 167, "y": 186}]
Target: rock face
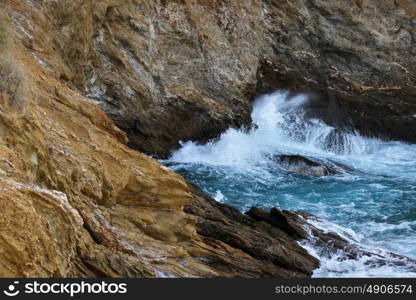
[
  {"x": 70, "y": 187},
  {"x": 328, "y": 245},
  {"x": 163, "y": 70},
  {"x": 357, "y": 59},
  {"x": 166, "y": 71},
  {"x": 77, "y": 202}
]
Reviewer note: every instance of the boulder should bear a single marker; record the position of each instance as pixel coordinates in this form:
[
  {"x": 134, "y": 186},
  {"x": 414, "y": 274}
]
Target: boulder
[{"x": 302, "y": 165}]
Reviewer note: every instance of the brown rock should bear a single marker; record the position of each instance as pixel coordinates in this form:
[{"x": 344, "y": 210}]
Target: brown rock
[
  {"x": 272, "y": 250},
  {"x": 76, "y": 202},
  {"x": 303, "y": 165},
  {"x": 167, "y": 71},
  {"x": 164, "y": 71}
]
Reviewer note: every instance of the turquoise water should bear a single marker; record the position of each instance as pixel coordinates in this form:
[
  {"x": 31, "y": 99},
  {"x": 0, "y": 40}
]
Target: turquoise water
[{"x": 374, "y": 199}]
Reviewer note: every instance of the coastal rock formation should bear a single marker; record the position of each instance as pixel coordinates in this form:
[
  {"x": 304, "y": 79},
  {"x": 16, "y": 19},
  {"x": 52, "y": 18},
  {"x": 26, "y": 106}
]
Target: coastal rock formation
[
  {"x": 303, "y": 165},
  {"x": 167, "y": 71},
  {"x": 356, "y": 58},
  {"x": 164, "y": 71},
  {"x": 328, "y": 245},
  {"x": 77, "y": 202},
  {"x": 66, "y": 177},
  {"x": 248, "y": 248}
]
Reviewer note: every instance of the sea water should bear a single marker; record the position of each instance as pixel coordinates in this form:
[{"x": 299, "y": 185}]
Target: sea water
[{"x": 373, "y": 203}]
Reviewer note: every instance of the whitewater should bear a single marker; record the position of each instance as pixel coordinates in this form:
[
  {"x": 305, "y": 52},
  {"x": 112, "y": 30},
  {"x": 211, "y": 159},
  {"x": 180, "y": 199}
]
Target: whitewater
[{"x": 372, "y": 204}]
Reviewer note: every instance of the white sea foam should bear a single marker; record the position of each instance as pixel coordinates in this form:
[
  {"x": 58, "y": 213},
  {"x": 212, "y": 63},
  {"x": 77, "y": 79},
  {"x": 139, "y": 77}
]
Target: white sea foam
[
  {"x": 280, "y": 126},
  {"x": 219, "y": 196}
]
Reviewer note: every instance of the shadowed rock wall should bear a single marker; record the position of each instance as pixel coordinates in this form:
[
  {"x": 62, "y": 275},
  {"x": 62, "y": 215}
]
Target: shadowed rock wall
[{"x": 166, "y": 71}]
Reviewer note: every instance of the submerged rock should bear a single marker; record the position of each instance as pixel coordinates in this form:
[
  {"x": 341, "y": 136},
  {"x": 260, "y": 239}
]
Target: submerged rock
[{"x": 302, "y": 165}]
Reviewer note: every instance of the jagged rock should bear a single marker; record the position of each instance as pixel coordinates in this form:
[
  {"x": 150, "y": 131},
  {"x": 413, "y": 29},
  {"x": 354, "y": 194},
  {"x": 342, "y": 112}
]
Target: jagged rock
[
  {"x": 265, "y": 251},
  {"x": 284, "y": 220},
  {"x": 355, "y": 58},
  {"x": 164, "y": 71},
  {"x": 329, "y": 245}
]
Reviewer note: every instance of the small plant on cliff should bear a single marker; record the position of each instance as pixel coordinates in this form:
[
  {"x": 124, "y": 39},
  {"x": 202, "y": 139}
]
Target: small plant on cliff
[
  {"x": 4, "y": 34},
  {"x": 12, "y": 87},
  {"x": 12, "y": 83}
]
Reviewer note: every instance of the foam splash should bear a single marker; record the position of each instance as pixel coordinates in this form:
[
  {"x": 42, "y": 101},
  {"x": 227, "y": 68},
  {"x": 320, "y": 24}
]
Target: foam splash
[
  {"x": 281, "y": 126},
  {"x": 337, "y": 265},
  {"x": 219, "y": 197}
]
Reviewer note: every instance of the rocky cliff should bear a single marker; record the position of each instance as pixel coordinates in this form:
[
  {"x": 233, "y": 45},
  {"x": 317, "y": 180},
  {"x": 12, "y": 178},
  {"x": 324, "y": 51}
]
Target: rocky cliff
[
  {"x": 76, "y": 201},
  {"x": 166, "y": 71},
  {"x": 356, "y": 58}
]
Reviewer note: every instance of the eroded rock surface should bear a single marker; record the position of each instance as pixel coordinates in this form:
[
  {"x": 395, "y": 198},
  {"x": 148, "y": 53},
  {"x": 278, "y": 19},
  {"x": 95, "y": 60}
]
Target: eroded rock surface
[
  {"x": 249, "y": 248},
  {"x": 302, "y": 165},
  {"x": 357, "y": 58},
  {"x": 187, "y": 70},
  {"x": 163, "y": 70},
  {"x": 77, "y": 202},
  {"x": 329, "y": 245}
]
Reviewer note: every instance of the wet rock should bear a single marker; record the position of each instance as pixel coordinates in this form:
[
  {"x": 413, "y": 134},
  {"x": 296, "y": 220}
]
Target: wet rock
[
  {"x": 284, "y": 220},
  {"x": 347, "y": 57},
  {"x": 342, "y": 247},
  {"x": 248, "y": 248},
  {"x": 302, "y": 165},
  {"x": 337, "y": 141}
]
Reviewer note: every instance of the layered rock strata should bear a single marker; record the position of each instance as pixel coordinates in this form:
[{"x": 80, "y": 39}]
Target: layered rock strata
[
  {"x": 167, "y": 71},
  {"x": 77, "y": 202}
]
